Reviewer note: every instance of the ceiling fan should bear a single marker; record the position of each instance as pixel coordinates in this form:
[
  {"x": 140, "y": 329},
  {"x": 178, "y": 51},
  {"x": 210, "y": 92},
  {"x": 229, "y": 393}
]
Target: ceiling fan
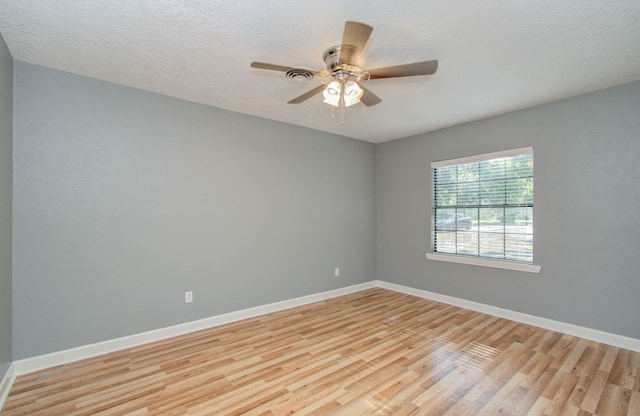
[{"x": 344, "y": 67}]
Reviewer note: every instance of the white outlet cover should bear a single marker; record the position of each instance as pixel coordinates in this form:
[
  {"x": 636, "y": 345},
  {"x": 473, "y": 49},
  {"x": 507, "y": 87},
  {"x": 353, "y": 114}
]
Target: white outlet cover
[{"x": 188, "y": 297}]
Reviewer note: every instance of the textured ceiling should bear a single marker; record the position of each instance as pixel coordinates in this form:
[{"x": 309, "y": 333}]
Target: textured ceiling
[{"x": 495, "y": 56}]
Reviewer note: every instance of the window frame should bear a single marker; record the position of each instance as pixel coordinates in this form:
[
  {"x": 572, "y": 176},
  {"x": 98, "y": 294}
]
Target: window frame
[{"x": 524, "y": 266}]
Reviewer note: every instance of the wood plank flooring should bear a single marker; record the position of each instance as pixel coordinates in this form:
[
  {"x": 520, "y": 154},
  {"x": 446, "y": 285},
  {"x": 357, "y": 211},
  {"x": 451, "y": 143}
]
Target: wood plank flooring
[{"x": 374, "y": 352}]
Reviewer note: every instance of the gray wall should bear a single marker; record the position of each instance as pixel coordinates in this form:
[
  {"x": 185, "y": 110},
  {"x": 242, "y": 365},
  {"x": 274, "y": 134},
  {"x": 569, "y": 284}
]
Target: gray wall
[
  {"x": 125, "y": 199},
  {"x": 587, "y": 211},
  {"x": 6, "y": 180}
]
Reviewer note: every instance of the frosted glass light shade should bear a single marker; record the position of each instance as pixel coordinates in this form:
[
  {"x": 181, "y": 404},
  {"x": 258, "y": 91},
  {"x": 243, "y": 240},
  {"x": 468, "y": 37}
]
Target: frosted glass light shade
[
  {"x": 352, "y": 93},
  {"x": 332, "y": 93}
]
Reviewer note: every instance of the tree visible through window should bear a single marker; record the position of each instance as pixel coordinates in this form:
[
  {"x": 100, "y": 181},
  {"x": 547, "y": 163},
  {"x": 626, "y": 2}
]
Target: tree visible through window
[{"x": 483, "y": 206}]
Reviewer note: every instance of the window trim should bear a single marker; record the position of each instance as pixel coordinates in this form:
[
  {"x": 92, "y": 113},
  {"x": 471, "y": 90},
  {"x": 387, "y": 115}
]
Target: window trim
[
  {"x": 480, "y": 261},
  {"x": 473, "y": 260},
  {"x": 482, "y": 157}
]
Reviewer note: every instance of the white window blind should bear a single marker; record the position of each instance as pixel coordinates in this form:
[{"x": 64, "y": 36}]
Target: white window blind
[{"x": 483, "y": 206}]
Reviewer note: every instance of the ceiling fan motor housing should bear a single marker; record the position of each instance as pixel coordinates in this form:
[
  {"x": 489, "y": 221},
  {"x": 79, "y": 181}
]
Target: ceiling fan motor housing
[{"x": 340, "y": 61}]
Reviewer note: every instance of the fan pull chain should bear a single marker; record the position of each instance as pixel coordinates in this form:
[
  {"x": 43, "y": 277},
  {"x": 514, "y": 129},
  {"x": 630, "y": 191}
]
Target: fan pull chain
[{"x": 342, "y": 103}]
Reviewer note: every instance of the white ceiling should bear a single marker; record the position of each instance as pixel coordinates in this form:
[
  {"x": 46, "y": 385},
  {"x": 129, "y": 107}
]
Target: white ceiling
[{"x": 495, "y": 56}]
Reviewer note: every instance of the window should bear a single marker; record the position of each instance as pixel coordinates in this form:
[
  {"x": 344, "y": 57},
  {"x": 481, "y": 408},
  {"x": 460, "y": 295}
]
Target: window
[{"x": 483, "y": 210}]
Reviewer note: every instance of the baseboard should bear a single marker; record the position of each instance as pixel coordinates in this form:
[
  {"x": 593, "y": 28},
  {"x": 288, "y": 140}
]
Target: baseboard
[
  {"x": 570, "y": 329},
  {"x": 5, "y": 384},
  {"x": 29, "y": 365},
  {"x": 32, "y": 364}
]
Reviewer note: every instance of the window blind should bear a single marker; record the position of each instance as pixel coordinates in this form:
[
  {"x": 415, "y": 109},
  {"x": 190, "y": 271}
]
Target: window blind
[{"x": 483, "y": 206}]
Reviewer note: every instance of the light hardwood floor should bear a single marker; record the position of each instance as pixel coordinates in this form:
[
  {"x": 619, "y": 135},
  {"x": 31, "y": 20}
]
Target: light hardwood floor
[{"x": 374, "y": 352}]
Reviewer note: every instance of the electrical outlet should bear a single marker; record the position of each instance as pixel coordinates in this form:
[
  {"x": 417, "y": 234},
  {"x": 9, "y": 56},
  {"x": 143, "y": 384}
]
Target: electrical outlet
[
  {"x": 188, "y": 297},
  {"x": 336, "y": 272}
]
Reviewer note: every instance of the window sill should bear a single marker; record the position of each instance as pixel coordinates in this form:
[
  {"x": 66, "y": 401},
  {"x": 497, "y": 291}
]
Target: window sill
[{"x": 499, "y": 264}]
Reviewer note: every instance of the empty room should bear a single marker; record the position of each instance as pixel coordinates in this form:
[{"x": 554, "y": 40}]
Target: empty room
[{"x": 319, "y": 208}]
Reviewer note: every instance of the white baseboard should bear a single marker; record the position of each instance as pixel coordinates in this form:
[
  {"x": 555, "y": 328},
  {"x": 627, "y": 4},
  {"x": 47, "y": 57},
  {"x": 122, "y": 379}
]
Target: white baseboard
[
  {"x": 29, "y": 365},
  {"x": 5, "y": 384},
  {"x": 32, "y": 364},
  {"x": 570, "y": 329}
]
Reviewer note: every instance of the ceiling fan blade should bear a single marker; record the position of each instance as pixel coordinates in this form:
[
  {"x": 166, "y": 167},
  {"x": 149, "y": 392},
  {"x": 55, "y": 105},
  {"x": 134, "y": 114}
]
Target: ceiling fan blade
[
  {"x": 271, "y": 67},
  {"x": 356, "y": 35},
  {"x": 369, "y": 98},
  {"x": 406, "y": 70},
  {"x": 307, "y": 95}
]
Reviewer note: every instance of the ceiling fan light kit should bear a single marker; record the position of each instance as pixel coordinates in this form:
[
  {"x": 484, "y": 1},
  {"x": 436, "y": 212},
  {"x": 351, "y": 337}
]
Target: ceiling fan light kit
[
  {"x": 342, "y": 93},
  {"x": 344, "y": 67}
]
